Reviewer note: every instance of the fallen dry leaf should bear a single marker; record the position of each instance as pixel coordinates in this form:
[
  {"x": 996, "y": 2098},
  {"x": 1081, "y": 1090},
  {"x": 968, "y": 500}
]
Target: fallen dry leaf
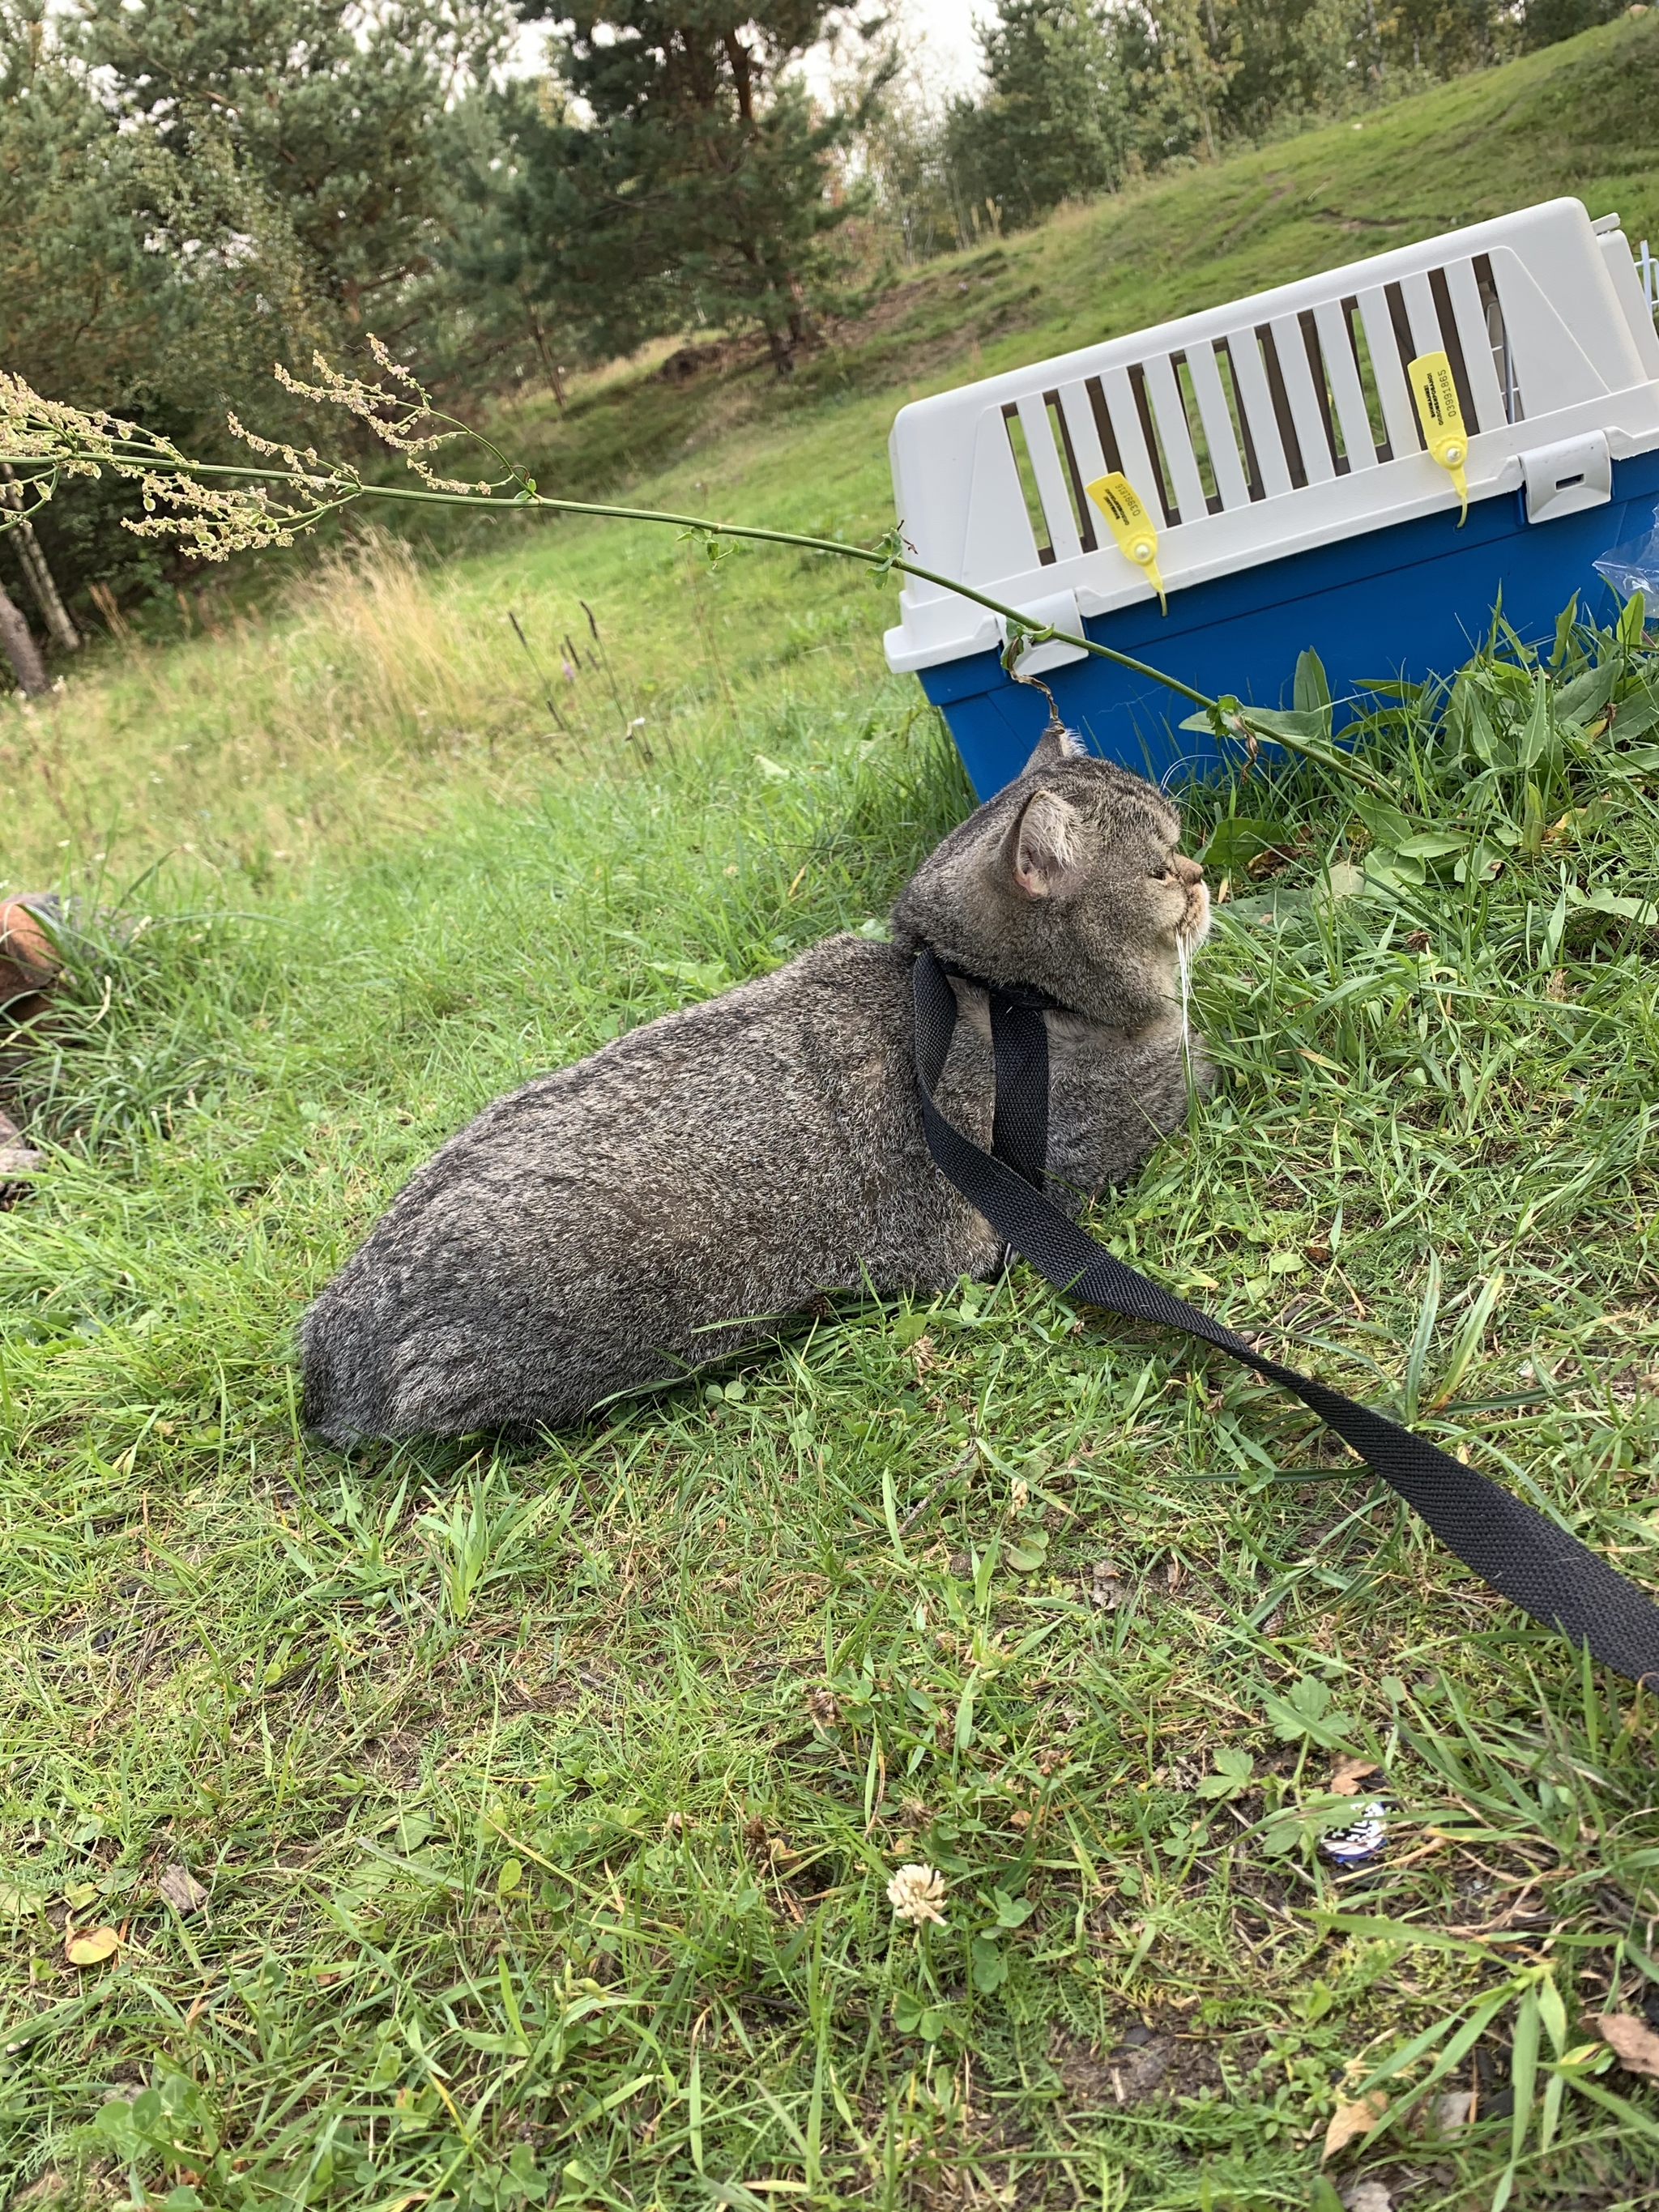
[
  {"x": 1348, "y": 2122},
  {"x": 90, "y": 1946},
  {"x": 1637, "y": 2045},
  {"x": 178, "y": 1886},
  {"x": 1349, "y": 1772}
]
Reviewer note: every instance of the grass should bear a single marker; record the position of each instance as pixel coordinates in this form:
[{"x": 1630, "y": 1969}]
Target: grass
[{"x": 545, "y": 1799}]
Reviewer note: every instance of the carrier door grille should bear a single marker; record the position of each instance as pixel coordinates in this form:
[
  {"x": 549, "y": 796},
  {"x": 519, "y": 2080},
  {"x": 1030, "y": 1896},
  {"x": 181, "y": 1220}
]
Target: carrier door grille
[{"x": 1258, "y": 413}]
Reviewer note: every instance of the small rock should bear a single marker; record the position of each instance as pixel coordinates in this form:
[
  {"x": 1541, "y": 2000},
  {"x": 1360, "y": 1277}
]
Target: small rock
[
  {"x": 1107, "y": 1591},
  {"x": 16, "y": 1158},
  {"x": 1141, "y": 2068},
  {"x": 1367, "y": 2197},
  {"x": 178, "y": 1886},
  {"x": 28, "y": 959},
  {"x": 1452, "y": 2110}
]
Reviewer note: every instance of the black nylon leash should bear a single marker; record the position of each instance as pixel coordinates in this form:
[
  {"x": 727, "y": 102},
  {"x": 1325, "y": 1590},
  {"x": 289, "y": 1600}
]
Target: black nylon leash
[{"x": 1525, "y": 1557}]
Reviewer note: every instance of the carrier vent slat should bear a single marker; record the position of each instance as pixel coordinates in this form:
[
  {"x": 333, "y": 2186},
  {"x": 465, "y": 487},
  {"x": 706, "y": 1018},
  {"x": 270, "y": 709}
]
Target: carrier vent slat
[
  {"x": 1478, "y": 364},
  {"x": 1219, "y": 427},
  {"x": 1051, "y": 487},
  {"x": 1131, "y": 445},
  {"x": 1176, "y": 439},
  {"x": 1404, "y": 436},
  {"x": 1306, "y": 411},
  {"x": 1346, "y": 389},
  {"x": 1418, "y": 296},
  {"x": 1085, "y": 432},
  {"x": 1245, "y": 352}
]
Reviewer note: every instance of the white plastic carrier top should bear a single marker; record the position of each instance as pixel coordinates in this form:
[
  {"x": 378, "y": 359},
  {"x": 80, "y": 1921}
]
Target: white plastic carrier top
[{"x": 1260, "y": 428}]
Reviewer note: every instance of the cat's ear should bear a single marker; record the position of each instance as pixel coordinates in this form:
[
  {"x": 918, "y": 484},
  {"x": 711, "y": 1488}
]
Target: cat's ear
[
  {"x": 1056, "y": 743},
  {"x": 1045, "y": 847}
]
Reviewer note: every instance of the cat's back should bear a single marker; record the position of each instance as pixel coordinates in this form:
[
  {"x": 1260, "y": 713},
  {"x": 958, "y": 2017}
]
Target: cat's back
[
  {"x": 729, "y": 1079},
  {"x": 587, "y": 1231},
  {"x": 720, "y": 1108}
]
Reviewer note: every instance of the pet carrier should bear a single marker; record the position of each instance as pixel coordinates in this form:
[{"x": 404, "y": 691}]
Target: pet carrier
[{"x": 1365, "y": 462}]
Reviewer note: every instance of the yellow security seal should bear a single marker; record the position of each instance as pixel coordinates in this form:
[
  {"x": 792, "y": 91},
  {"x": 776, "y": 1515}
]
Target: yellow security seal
[
  {"x": 1435, "y": 390},
  {"x": 1130, "y": 523}
]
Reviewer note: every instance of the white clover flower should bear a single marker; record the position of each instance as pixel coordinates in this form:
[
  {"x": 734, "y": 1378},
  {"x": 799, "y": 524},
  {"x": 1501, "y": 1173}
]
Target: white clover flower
[{"x": 915, "y": 1893}]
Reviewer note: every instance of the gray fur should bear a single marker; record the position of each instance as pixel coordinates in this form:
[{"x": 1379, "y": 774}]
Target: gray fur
[{"x": 615, "y": 1223}]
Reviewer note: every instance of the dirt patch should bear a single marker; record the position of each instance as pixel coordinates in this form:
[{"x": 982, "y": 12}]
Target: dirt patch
[
  {"x": 1140, "y": 2062},
  {"x": 880, "y": 319},
  {"x": 690, "y": 363}
]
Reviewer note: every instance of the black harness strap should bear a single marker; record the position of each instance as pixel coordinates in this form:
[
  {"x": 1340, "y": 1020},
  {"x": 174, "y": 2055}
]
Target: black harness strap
[{"x": 1525, "y": 1557}]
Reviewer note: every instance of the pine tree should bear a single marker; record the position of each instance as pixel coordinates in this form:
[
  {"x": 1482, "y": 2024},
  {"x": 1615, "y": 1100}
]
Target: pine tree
[
  {"x": 706, "y": 180},
  {"x": 340, "y": 117},
  {"x": 1051, "y": 126},
  {"x": 535, "y": 248},
  {"x": 191, "y": 192}
]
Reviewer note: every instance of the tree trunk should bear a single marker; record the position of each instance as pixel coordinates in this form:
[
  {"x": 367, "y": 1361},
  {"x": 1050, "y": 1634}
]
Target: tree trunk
[
  {"x": 553, "y": 376},
  {"x": 20, "y": 648},
  {"x": 42, "y": 582},
  {"x": 783, "y": 351}
]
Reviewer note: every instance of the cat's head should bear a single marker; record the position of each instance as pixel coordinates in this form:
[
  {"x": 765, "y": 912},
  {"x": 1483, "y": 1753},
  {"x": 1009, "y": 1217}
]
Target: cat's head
[{"x": 1070, "y": 879}]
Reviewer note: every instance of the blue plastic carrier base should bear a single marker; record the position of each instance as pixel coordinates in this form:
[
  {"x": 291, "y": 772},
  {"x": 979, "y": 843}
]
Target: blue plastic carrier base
[{"x": 1406, "y": 602}]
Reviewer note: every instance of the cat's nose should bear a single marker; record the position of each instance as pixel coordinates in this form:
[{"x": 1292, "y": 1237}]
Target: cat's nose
[{"x": 1190, "y": 871}]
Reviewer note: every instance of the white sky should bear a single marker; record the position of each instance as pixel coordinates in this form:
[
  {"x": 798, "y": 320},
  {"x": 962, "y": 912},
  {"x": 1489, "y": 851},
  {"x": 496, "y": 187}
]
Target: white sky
[{"x": 946, "y": 27}]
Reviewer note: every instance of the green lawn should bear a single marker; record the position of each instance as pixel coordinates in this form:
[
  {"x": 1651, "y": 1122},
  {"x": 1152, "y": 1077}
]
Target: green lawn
[{"x": 545, "y": 1799}]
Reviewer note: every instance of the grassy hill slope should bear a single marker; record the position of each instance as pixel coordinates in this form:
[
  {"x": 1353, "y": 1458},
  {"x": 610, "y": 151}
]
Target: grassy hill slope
[
  {"x": 1575, "y": 119},
  {"x": 485, "y": 1826},
  {"x": 324, "y": 693}
]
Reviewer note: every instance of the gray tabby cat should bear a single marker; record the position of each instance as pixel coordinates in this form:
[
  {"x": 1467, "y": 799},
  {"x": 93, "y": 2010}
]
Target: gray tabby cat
[{"x": 614, "y": 1224}]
